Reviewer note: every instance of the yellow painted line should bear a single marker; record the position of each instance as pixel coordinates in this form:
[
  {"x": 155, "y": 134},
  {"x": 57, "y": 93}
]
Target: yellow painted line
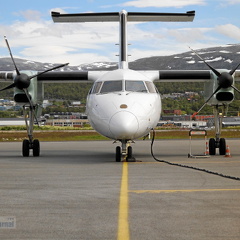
[
  {"x": 182, "y": 190},
  {"x": 123, "y": 224}
]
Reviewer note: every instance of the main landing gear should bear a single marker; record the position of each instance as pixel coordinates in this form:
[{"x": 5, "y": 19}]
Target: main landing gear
[
  {"x": 30, "y": 143},
  {"x": 217, "y": 142},
  {"x": 125, "y": 152}
]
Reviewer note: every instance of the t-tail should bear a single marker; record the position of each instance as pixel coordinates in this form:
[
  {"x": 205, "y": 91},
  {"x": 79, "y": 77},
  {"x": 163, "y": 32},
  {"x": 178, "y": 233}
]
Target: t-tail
[{"x": 123, "y": 18}]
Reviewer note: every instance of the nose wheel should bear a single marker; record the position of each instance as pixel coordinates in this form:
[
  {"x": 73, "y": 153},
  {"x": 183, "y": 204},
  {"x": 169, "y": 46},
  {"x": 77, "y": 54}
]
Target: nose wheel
[
  {"x": 118, "y": 154},
  {"x": 124, "y": 153}
]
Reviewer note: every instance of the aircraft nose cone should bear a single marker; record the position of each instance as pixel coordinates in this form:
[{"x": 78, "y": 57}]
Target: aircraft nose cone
[{"x": 124, "y": 125}]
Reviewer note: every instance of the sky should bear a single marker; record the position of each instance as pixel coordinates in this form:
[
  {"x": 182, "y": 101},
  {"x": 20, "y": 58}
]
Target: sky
[{"x": 32, "y": 34}]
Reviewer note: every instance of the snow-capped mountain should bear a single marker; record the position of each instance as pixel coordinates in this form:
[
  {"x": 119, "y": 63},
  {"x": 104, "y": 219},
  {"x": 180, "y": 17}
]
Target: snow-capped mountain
[
  {"x": 223, "y": 57},
  {"x": 226, "y": 57}
]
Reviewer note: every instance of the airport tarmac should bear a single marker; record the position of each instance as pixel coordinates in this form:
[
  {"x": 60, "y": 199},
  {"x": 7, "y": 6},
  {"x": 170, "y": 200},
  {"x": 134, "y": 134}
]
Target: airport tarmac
[{"x": 76, "y": 190}]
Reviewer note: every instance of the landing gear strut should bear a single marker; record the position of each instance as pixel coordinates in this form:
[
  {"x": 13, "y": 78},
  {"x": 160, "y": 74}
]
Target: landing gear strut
[
  {"x": 30, "y": 143},
  {"x": 217, "y": 142},
  {"x": 125, "y": 152}
]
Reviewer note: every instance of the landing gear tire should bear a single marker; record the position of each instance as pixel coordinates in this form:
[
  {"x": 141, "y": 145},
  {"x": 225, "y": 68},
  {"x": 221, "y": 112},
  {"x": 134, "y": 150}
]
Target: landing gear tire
[
  {"x": 25, "y": 148},
  {"x": 130, "y": 157},
  {"x": 222, "y": 146},
  {"x": 129, "y": 152},
  {"x": 212, "y": 146},
  {"x": 36, "y": 148},
  {"x": 118, "y": 154}
]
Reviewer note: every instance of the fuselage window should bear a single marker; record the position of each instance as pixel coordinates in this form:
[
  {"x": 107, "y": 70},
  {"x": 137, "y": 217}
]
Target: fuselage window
[
  {"x": 135, "y": 86},
  {"x": 111, "y": 86},
  {"x": 96, "y": 87},
  {"x": 151, "y": 87}
]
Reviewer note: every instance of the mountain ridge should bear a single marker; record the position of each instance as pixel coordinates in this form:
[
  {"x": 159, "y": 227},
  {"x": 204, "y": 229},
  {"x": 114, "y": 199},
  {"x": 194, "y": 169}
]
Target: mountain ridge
[{"x": 227, "y": 57}]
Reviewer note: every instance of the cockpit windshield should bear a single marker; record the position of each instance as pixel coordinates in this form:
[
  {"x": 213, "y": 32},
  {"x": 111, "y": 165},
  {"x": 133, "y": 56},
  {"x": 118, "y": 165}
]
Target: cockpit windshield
[
  {"x": 135, "y": 86},
  {"x": 121, "y": 85},
  {"x": 111, "y": 86}
]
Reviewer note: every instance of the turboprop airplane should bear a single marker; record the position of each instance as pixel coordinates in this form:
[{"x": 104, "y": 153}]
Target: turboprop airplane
[{"x": 122, "y": 104}]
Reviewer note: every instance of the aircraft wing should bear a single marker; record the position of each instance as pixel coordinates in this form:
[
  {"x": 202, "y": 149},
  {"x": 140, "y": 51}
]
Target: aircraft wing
[
  {"x": 62, "y": 77},
  {"x": 183, "y": 75},
  {"x": 157, "y": 76},
  {"x": 178, "y": 75}
]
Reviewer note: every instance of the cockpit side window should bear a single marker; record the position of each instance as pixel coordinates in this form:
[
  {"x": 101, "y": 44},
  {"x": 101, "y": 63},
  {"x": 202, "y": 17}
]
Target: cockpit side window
[
  {"x": 135, "y": 86},
  {"x": 151, "y": 87},
  {"x": 96, "y": 87},
  {"x": 111, "y": 86}
]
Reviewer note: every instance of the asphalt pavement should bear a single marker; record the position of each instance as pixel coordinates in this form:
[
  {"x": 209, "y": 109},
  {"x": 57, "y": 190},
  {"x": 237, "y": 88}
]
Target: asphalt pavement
[{"x": 76, "y": 190}]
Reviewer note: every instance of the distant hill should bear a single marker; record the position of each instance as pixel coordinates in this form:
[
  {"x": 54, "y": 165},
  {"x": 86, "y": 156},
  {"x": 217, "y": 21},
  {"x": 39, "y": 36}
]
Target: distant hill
[{"x": 226, "y": 57}]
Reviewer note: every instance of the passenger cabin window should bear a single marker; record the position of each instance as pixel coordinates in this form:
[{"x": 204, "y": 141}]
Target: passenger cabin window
[
  {"x": 151, "y": 87},
  {"x": 96, "y": 87},
  {"x": 135, "y": 86},
  {"x": 111, "y": 86}
]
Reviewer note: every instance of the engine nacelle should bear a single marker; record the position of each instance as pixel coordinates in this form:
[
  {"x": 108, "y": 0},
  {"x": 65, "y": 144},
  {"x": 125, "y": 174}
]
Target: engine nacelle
[
  {"x": 223, "y": 96},
  {"x": 35, "y": 90}
]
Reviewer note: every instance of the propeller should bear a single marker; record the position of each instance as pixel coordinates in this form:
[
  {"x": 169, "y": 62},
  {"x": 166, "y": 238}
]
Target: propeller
[
  {"x": 22, "y": 80},
  {"x": 225, "y": 80}
]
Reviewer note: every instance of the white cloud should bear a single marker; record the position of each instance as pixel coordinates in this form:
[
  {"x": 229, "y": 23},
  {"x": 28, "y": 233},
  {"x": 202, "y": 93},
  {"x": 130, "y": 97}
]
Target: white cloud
[
  {"x": 60, "y": 10},
  {"x": 29, "y": 15},
  {"x": 229, "y": 30},
  {"x": 232, "y": 2},
  {"x": 188, "y": 35},
  {"x": 51, "y": 42},
  {"x": 163, "y": 3},
  {"x": 80, "y": 43}
]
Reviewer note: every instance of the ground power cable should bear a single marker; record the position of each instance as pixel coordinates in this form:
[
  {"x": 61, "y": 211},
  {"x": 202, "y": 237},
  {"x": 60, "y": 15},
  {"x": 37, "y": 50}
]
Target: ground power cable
[{"x": 186, "y": 166}]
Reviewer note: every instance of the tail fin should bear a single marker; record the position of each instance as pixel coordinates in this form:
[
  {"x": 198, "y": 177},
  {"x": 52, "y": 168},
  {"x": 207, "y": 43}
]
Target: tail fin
[{"x": 123, "y": 17}]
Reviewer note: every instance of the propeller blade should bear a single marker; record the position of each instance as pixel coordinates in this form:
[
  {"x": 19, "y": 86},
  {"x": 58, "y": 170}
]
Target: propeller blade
[
  {"x": 233, "y": 70},
  {"x": 235, "y": 89},
  {"x": 28, "y": 97},
  {"x": 9, "y": 87},
  {"x": 10, "y": 52},
  {"x": 206, "y": 102},
  {"x": 213, "y": 69},
  {"x": 48, "y": 70}
]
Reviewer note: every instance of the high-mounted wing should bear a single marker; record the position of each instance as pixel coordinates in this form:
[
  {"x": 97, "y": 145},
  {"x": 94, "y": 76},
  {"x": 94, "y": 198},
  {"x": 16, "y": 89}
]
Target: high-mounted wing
[
  {"x": 61, "y": 77},
  {"x": 178, "y": 75}
]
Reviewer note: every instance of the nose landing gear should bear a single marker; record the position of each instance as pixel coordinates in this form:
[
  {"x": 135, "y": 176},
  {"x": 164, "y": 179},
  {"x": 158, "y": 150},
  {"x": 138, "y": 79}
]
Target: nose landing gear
[{"x": 125, "y": 152}]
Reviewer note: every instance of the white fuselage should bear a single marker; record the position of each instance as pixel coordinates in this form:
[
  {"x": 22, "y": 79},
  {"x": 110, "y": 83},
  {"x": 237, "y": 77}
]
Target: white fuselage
[{"x": 126, "y": 107}]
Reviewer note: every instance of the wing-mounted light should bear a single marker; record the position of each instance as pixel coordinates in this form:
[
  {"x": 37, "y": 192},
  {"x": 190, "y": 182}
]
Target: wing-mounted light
[{"x": 225, "y": 82}]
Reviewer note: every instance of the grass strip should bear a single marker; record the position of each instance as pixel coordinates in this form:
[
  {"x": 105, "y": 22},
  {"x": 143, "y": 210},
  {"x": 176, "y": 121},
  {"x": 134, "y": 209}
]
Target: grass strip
[{"x": 86, "y": 135}]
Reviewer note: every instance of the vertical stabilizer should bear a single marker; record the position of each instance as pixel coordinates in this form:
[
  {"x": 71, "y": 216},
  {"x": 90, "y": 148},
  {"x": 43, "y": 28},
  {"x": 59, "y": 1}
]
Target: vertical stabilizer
[{"x": 123, "y": 17}]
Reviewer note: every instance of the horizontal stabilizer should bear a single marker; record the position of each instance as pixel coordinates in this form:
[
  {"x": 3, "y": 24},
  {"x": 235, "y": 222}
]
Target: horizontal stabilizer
[{"x": 131, "y": 17}]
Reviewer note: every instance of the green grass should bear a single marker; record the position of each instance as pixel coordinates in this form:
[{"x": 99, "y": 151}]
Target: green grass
[{"x": 48, "y": 133}]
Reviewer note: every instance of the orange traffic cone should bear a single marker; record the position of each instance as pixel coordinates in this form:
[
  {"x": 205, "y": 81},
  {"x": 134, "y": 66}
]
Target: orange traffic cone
[
  {"x": 207, "y": 149},
  {"x": 228, "y": 154}
]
